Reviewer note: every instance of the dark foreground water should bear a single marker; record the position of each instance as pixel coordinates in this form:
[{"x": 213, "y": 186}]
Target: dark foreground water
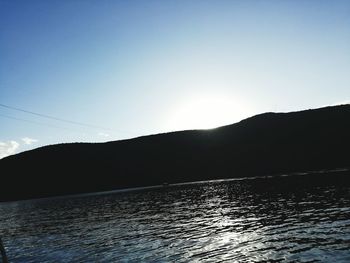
[{"x": 304, "y": 218}]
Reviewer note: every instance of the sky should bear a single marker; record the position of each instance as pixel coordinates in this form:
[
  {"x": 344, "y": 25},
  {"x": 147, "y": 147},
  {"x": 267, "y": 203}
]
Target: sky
[{"x": 95, "y": 71}]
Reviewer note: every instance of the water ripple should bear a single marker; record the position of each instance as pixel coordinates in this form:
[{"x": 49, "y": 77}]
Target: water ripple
[{"x": 262, "y": 220}]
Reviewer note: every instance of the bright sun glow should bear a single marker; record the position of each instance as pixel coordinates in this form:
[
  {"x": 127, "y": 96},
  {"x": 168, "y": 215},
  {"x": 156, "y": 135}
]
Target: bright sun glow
[{"x": 208, "y": 112}]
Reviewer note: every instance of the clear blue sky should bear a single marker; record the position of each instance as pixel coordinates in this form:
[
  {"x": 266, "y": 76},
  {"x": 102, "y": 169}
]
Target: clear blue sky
[{"x": 142, "y": 67}]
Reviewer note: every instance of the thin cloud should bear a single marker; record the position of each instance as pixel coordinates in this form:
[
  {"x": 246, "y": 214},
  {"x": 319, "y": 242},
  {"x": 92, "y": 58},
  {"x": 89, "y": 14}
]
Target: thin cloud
[
  {"x": 29, "y": 141},
  {"x": 102, "y": 134},
  {"x": 8, "y": 148}
]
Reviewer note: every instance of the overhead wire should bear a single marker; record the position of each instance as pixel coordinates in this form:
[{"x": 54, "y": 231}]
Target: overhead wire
[
  {"x": 56, "y": 119},
  {"x": 36, "y": 122},
  {"x": 53, "y": 117}
]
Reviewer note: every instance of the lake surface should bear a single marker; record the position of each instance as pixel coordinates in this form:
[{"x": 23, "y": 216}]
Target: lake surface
[{"x": 300, "y": 218}]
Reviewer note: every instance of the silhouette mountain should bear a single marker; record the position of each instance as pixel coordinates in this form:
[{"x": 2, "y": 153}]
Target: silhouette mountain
[{"x": 265, "y": 144}]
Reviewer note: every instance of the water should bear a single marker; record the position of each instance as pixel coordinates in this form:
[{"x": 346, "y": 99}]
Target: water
[{"x": 304, "y": 218}]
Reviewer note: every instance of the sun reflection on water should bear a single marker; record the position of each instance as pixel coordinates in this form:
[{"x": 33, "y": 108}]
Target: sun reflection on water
[{"x": 234, "y": 221}]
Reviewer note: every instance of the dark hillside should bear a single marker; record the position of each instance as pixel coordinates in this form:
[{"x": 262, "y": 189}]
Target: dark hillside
[{"x": 268, "y": 143}]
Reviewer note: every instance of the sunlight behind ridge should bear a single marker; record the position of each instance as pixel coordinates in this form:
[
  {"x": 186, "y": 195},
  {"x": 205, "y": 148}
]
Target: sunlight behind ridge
[{"x": 208, "y": 112}]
